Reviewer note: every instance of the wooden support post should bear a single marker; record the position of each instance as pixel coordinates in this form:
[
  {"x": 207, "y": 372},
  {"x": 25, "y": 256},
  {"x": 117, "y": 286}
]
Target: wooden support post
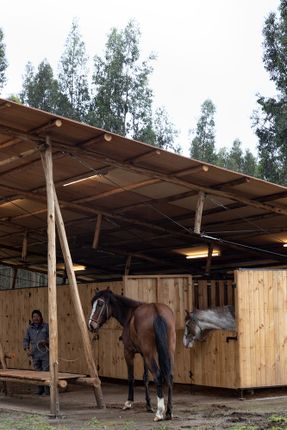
[
  {"x": 25, "y": 246},
  {"x": 128, "y": 265},
  {"x": 77, "y": 303},
  {"x": 97, "y": 231},
  {"x": 4, "y": 366},
  {"x": 15, "y": 271},
  {"x": 198, "y": 213},
  {"x": 209, "y": 258},
  {"x": 52, "y": 293}
]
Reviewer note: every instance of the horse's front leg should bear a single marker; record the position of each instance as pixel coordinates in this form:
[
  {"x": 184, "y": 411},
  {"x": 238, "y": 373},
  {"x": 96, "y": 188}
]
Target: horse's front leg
[
  {"x": 146, "y": 383},
  {"x": 129, "y": 357}
]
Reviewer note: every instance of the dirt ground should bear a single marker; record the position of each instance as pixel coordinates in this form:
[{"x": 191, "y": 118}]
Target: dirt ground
[{"x": 194, "y": 408}]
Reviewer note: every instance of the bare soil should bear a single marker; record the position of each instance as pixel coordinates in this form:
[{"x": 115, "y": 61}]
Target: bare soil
[{"x": 194, "y": 408}]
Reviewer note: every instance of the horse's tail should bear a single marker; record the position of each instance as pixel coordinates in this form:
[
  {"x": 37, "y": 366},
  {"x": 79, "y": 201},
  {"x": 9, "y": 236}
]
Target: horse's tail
[{"x": 161, "y": 339}]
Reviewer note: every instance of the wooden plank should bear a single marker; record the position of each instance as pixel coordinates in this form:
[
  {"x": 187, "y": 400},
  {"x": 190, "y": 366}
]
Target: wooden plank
[
  {"x": 243, "y": 328},
  {"x": 35, "y": 375},
  {"x": 202, "y": 294}
]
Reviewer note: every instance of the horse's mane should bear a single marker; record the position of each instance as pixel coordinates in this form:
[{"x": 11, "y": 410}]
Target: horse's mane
[
  {"x": 125, "y": 301},
  {"x": 121, "y": 305},
  {"x": 217, "y": 317}
]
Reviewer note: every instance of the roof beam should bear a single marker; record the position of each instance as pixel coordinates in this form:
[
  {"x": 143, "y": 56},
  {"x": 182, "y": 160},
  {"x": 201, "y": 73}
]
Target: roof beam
[
  {"x": 168, "y": 177},
  {"x": 164, "y": 176}
]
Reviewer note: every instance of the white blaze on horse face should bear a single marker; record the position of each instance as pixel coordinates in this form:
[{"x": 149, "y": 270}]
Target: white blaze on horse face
[
  {"x": 187, "y": 341},
  {"x": 160, "y": 410},
  {"x": 93, "y": 325}
]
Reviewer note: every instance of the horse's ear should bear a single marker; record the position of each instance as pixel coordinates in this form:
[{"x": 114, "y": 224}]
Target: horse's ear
[
  {"x": 187, "y": 314},
  {"x": 108, "y": 288}
]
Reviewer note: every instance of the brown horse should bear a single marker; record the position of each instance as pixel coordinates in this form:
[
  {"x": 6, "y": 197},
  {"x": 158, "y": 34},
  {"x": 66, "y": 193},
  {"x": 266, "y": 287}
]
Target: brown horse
[{"x": 148, "y": 329}]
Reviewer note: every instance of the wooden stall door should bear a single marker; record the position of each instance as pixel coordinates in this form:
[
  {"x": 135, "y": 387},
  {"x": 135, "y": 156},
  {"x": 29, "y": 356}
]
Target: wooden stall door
[{"x": 262, "y": 327}]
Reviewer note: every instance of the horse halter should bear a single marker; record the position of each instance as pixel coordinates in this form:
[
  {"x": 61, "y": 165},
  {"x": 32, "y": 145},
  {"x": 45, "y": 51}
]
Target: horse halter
[
  {"x": 102, "y": 305},
  {"x": 194, "y": 321}
]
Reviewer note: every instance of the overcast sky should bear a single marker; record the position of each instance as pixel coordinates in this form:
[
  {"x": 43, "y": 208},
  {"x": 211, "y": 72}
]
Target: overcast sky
[{"x": 205, "y": 49}]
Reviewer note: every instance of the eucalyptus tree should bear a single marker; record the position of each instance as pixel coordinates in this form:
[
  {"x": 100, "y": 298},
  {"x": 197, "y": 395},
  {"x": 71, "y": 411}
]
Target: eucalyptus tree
[
  {"x": 202, "y": 146},
  {"x": 73, "y": 75},
  {"x": 271, "y": 117},
  {"x": 165, "y": 131},
  {"x": 122, "y": 100},
  {"x": 3, "y": 60},
  {"x": 238, "y": 160},
  {"x": 41, "y": 90}
]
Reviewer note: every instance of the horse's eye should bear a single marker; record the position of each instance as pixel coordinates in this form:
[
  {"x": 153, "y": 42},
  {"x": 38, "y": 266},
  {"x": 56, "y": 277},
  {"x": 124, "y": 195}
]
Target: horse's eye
[{"x": 100, "y": 304}]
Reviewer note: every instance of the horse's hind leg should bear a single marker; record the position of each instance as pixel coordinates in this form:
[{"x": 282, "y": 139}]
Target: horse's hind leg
[
  {"x": 147, "y": 395},
  {"x": 168, "y": 415},
  {"x": 160, "y": 400},
  {"x": 158, "y": 382}
]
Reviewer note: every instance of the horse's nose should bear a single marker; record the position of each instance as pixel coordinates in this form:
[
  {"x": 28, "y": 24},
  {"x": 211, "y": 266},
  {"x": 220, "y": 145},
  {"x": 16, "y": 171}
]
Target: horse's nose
[{"x": 92, "y": 326}]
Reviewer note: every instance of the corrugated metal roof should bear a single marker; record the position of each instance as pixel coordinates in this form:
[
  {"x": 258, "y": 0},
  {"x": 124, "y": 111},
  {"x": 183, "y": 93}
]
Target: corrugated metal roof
[{"x": 147, "y": 198}]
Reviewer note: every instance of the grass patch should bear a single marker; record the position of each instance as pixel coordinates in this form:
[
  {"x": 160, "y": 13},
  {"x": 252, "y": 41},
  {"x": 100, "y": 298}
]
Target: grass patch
[
  {"x": 277, "y": 419},
  {"x": 26, "y": 422}
]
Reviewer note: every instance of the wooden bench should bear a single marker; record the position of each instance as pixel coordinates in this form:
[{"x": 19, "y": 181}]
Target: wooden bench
[{"x": 43, "y": 378}]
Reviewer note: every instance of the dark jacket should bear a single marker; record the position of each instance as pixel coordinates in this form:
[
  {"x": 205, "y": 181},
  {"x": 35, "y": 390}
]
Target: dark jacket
[{"x": 35, "y": 335}]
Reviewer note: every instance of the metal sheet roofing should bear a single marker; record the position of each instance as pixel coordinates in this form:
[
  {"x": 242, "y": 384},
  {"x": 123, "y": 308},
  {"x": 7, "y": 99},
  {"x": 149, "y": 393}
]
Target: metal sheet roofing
[{"x": 146, "y": 198}]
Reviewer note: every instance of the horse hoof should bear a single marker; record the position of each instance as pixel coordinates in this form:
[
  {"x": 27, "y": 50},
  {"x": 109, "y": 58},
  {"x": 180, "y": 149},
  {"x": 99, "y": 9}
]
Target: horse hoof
[
  {"x": 168, "y": 417},
  {"x": 127, "y": 405},
  {"x": 149, "y": 409},
  {"x": 156, "y": 418}
]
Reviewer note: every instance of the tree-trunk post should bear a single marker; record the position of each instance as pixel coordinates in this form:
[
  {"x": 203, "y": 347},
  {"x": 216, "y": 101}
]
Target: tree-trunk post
[
  {"x": 198, "y": 213},
  {"x": 52, "y": 293},
  {"x": 77, "y": 304}
]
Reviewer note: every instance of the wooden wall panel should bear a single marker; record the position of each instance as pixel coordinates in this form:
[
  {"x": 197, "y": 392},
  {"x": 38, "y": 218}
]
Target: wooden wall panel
[
  {"x": 257, "y": 359},
  {"x": 214, "y": 362},
  {"x": 173, "y": 290},
  {"x": 262, "y": 327}
]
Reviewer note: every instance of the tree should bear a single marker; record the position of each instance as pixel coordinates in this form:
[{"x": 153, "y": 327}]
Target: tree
[
  {"x": 165, "y": 131},
  {"x": 271, "y": 118},
  {"x": 236, "y": 160},
  {"x": 250, "y": 165},
  {"x": 203, "y": 143},
  {"x": 3, "y": 60},
  {"x": 73, "y": 76},
  {"x": 123, "y": 98},
  {"x": 41, "y": 90}
]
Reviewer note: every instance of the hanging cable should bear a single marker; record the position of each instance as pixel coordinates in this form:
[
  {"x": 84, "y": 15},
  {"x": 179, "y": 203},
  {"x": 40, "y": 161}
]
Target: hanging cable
[{"x": 188, "y": 230}]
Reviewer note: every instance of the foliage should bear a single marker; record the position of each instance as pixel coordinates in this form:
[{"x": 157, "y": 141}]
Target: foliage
[
  {"x": 165, "y": 132},
  {"x": 271, "y": 117},
  {"x": 26, "y": 422},
  {"x": 41, "y": 90},
  {"x": 236, "y": 160},
  {"x": 14, "y": 98},
  {"x": 123, "y": 99},
  {"x": 3, "y": 60},
  {"x": 203, "y": 143},
  {"x": 73, "y": 76},
  {"x": 277, "y": 419}
]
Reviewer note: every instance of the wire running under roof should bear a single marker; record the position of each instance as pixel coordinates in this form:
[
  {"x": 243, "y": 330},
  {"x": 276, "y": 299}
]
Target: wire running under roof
[{"x": 129, "y": 207}]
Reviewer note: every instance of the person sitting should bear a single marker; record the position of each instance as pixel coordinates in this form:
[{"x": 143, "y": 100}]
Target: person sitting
[{"x": 36, "y": 344}]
